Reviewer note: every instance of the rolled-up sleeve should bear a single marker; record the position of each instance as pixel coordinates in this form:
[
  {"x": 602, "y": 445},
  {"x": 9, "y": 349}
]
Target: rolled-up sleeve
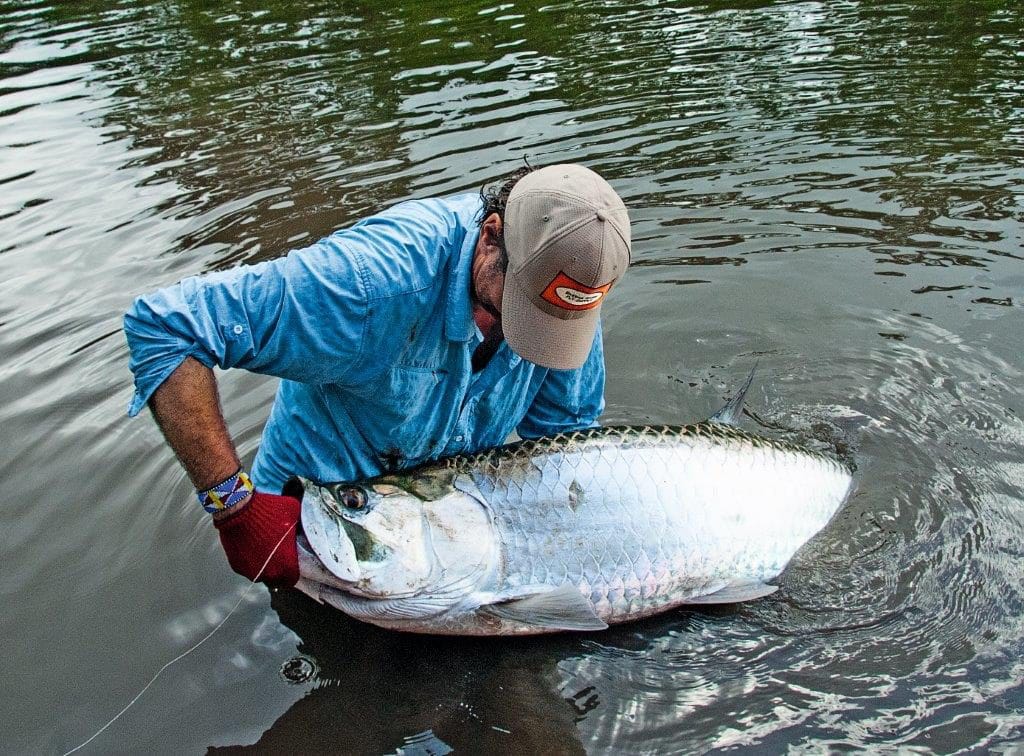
[
  {"x": 568, "y": 400},
  {"x": 301, "y": 317}
]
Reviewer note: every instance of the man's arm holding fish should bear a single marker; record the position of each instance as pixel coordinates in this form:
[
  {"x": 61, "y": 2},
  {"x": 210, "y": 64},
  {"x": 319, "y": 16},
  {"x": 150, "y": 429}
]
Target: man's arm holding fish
[
  {"x": 249, "y": 318},
  {"x": 187, "y": 409}
]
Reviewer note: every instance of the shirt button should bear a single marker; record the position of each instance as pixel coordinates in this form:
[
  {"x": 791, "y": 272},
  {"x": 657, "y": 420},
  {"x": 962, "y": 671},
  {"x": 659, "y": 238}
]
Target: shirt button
[
  {"x": 458, "y": 438},
  {"x": 238, "y": 330}
]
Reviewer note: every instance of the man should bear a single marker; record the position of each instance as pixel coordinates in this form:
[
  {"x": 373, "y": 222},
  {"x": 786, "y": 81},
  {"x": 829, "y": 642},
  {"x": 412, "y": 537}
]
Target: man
[{"x": 432, "y": 328}]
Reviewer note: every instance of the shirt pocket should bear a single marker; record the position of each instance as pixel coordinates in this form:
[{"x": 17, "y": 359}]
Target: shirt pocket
[{"x": 405, "y": 415}]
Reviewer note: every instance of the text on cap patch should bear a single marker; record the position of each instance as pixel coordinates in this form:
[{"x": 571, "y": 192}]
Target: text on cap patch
[{"x": 570, "y": 294}]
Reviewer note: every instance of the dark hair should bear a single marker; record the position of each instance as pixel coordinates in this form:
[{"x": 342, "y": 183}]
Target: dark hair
[{"x": 495, "y": 198}]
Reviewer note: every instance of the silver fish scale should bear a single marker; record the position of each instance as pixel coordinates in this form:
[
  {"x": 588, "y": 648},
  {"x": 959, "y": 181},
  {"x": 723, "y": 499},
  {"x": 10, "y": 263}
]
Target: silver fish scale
[{"x": 644, "y": 518}]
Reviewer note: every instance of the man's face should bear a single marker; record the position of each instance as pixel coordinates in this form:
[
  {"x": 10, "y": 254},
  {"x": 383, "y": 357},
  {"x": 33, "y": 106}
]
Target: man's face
[{"x": 488, "y": 273}]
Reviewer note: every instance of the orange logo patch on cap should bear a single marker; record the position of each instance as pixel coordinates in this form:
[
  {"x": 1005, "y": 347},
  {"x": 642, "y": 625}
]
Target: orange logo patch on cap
[{"x": 570, "y": 294}]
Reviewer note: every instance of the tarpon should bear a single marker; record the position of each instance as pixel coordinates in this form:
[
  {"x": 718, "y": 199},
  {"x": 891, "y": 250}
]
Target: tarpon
[{"x": 570, "y": 532}]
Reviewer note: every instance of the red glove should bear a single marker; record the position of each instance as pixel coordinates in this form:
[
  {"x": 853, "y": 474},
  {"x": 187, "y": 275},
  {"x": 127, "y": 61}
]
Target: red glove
[{"x": 250, "y": 535}]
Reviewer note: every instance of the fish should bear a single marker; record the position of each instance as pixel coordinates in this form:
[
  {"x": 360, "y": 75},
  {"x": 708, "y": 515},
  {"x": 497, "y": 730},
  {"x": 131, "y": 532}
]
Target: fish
[{"x": 571, "y": 532}]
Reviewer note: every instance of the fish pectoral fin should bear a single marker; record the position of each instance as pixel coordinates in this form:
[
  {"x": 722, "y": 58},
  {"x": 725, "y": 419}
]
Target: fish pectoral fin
[
  {"x": 544, "y": 607},
  {"x": 735, "y": 592}
]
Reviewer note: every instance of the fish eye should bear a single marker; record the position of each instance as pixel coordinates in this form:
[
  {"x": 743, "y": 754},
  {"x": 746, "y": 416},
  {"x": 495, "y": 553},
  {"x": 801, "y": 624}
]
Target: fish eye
[{"x": 353, "y": 498}]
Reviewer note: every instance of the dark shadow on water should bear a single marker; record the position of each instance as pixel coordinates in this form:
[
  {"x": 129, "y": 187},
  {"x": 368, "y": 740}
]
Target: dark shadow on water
[{"x": 376, "y": 689}]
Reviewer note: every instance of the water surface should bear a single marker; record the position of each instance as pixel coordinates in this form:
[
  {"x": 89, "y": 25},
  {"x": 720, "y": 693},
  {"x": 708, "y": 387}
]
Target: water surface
[{"x": 835, "y": 189}]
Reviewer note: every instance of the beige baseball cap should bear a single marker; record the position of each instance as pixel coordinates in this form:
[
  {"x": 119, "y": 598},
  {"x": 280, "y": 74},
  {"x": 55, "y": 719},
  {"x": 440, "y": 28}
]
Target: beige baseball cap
[{"x": 567, "y": 237}]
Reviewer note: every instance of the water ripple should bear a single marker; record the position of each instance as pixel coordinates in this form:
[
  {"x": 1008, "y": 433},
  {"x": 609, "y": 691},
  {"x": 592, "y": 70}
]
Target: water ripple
[{"x": 845, "y": 176}]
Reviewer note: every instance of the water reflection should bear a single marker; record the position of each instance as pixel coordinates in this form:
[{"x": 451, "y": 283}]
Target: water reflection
[{"x": 374, "y": 689}]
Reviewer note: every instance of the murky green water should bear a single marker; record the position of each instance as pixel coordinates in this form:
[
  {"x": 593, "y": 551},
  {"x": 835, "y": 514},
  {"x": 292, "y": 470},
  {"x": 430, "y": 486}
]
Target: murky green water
[{"x": 836, "y": 188}]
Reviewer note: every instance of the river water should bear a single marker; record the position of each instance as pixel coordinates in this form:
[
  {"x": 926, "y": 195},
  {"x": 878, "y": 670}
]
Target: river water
[{"x": 835, "y": 189}]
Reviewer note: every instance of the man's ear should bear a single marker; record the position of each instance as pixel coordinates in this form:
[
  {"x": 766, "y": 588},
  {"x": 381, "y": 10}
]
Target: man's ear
[{"x": 492, "y": 229}]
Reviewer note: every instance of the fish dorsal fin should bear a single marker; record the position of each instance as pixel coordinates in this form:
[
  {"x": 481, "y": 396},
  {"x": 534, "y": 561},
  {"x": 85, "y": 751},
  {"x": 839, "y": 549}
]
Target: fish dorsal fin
[
  {"x": 545, "y": 608},
  {"x": 735, "y": 592},
  {"x": 730, "y": 414}
]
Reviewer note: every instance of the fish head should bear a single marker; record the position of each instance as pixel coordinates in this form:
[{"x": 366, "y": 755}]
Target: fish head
[
  {"x": 373, "y": 537},
  {"x": 423, "y": 533}
]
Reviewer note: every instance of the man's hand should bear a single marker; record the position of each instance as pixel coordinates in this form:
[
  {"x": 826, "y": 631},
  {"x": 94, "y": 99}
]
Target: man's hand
[{"x": 251, "y": 534}]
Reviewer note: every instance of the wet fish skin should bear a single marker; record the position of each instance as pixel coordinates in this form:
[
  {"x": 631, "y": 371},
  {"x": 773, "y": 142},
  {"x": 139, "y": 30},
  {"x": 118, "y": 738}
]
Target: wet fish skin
[{"x": 635, "y": 519}]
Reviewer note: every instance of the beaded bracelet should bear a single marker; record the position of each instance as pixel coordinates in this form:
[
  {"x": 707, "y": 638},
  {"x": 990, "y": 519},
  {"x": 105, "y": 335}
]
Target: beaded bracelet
[{"x": 226, "y": 494}]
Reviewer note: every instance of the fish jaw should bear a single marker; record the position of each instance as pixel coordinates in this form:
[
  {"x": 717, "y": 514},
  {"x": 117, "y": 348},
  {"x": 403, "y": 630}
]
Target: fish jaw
[
  {"x": 312, "y": 573},
  {"x": 332, "y": 555}
]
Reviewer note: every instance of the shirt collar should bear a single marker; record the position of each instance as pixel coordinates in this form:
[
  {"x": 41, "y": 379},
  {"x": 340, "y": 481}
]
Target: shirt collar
[{"x": 458, "y": 323}]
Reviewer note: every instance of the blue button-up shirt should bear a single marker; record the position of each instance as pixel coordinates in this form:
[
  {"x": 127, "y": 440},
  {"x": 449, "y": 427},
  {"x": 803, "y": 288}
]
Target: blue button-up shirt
[{"x": 372, "y": 332}]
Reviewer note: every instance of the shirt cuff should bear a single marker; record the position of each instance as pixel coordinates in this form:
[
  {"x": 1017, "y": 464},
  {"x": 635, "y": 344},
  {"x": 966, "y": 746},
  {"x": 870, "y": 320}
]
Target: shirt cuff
[{"x": 144, "y": 388}]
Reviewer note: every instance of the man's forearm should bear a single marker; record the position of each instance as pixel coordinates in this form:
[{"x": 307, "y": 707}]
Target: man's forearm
[
  {"x": 254, "y": 531},
  {"x": 187, "y": 408}
]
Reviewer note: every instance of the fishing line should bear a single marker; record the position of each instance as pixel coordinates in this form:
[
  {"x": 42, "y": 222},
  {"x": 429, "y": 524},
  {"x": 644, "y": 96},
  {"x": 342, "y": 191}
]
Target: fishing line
[{"x": 183, "y": 654}]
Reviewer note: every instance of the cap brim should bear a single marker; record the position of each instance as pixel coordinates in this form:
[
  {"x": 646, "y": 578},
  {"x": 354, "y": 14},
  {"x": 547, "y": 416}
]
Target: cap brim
[{"x": 541, "y": 338}]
